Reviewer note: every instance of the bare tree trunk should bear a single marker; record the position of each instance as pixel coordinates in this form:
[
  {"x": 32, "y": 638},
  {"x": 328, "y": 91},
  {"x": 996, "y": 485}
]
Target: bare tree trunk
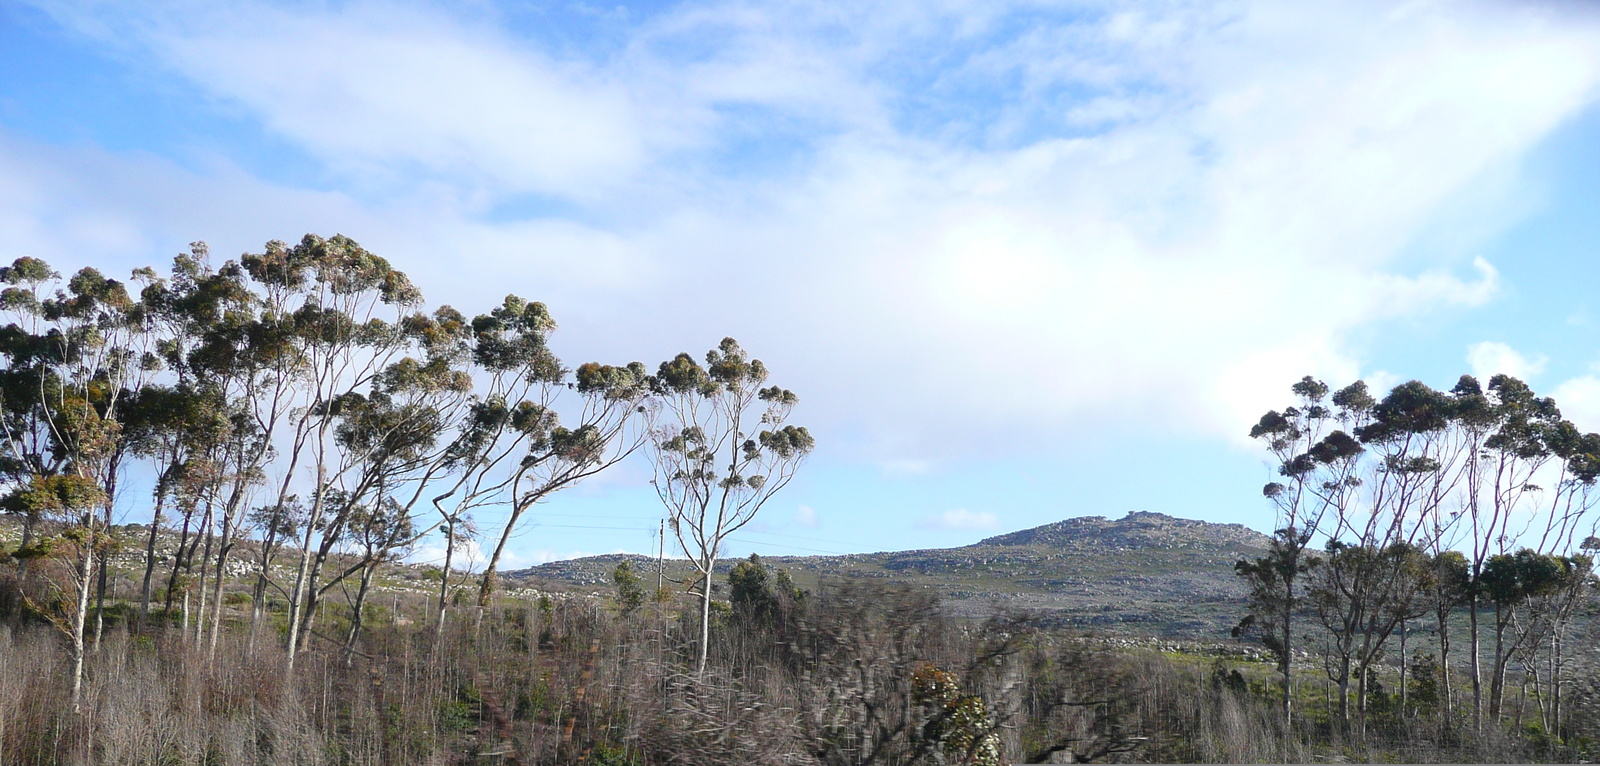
[
  {"x": 85, "y": 584},
  {"x": 150, "y": 555},
  {"x": 1286, "y": 663},
  {"x": 1522, "y": 701},
  {"x": 1477, "y": 667},
  {"x": 258, "y": 596},
  {"x": 1405, "y": 660},
  {"x": 444, "y": 579},
  {"x": 1344, "y": 696},
  {"x": 104, "y": 554},
  {"x": 356, "y": 617},
  {"x": 1497, "y": 680},
  {"x": 297, "y": 596},
  {"x": 230, "y": 513},
  {"x": 1361, "y": 701},
  {"x": 1444, "y": 662},
  {"x": 705, "y": 616},
  {"x": 216, "y": 595},
  {"x": 487, "y": 582},
  {"x": 1555, "y": 727},
  {"x": 181, "y": 558},
  {"x": 205, "y": 566}
]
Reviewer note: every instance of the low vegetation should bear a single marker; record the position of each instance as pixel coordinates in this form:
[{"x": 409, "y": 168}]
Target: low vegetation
[{"x": 849, "y": 673}]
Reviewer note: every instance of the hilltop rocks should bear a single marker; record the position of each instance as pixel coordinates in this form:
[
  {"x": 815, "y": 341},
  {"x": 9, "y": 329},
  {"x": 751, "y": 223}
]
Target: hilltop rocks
[{"x": 1138, "y": 530}]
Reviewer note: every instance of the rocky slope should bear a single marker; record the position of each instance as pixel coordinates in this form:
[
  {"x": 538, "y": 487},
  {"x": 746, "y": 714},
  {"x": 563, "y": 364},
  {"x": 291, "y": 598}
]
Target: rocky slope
[{"x": 1145, "y": 573}]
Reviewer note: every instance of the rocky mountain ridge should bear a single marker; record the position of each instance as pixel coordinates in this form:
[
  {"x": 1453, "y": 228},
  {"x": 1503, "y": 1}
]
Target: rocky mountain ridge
[{"x": 1146, "y": 572}]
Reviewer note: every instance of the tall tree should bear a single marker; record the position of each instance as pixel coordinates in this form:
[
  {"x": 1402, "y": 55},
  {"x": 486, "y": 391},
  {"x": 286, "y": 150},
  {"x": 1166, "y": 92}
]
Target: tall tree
[
  {"x": 71, "y": 362},
  {"x": 389, "y": 452},
  {"x": 1375, "y": 567},
  {"x": 1446, "y": 590},
  {"x": 714, "y": 469},
  {"x": 1504, "y": 428},
  {"x": 332, "y": 310},
  {"x": 522, "y": 412},
  {"x": 1314, "y": 461}
]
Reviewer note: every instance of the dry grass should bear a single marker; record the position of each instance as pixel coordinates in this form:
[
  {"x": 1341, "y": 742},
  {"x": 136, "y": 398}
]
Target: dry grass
[{"x": 829, "y": 681}]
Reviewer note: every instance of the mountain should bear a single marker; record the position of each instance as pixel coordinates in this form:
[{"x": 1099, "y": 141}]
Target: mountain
[
  {"x": 1139, "y": 529},
  {"x": 1144, "y": 573}
]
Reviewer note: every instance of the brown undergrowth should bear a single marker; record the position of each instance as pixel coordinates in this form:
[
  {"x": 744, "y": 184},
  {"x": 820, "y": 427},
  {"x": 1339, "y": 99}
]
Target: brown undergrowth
[{"x": 829, "y": 679}]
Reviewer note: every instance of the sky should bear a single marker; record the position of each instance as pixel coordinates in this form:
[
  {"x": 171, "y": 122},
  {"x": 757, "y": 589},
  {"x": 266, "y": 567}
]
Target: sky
[{"x": 1021, "y": 261}]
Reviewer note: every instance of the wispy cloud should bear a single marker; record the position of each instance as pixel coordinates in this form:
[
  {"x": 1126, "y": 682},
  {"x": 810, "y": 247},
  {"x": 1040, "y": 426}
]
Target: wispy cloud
[
  {"x": 960, "y": 519},
  {"x": 1490, "y": 358},
  {"x": 805, "y": 517}
]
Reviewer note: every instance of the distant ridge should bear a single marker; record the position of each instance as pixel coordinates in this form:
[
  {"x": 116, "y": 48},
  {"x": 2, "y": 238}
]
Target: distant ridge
[
  {"x": 1143, "y": 573},
  {"x": 1137, "y": 530}
]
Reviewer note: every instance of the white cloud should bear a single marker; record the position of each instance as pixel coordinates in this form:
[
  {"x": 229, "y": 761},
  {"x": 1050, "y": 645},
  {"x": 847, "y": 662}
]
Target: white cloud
[
  {"x": 1579, "y": 400},
  {"x": 960, "y": 519},
  {"x": 1490, "y": 358},
  {"x": 805, "y": 517},
  {"x": 935, "y": 276},
  {"x": 1381, "y": 382}
]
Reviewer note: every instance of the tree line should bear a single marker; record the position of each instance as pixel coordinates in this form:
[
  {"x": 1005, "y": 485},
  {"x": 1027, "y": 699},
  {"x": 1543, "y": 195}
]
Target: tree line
[
  {"x": 302, "y": 399},
  {"x": 1432, "y": 508}
]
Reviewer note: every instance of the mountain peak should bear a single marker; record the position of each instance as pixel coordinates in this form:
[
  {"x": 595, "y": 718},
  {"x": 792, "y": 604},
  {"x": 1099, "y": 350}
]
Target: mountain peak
[{"x": 1138, "y": 529}]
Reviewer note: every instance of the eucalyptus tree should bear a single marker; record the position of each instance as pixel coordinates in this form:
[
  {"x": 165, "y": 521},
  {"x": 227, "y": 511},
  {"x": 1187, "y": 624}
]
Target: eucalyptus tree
[
  {"x": 71, "y": 362},
  {"x": 214, "y": 417},
  {"x": 1558, "y": 610},
  {"x": 1315, "y": 461},
  {"x": 559, "y": 456},
  {"x": 383, "y": 532},
  {"x": 388, "y": 443},
  {"x": 167, "y": 425},
  {"x": 328, "y": 316},
  {"x": 1527, "y": 589},
  {"x": 29, "y": 385},
  {"x": 1553, "y": 534},
  {"x": 512, "y": 447},
  {"x": 1376, "y": 568},
  {"x": 721, "y": 447},
  {"x": 1504, "y": 429},
  {"x": 1446, "y": 587},
  {"x": 1361, "y": 594},
  {"x": 275, "y": 524},
  {"x": 62, "y": 556}
]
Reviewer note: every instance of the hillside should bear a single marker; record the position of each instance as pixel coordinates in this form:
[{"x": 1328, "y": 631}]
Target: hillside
[{"x": 1144, "y": 573}]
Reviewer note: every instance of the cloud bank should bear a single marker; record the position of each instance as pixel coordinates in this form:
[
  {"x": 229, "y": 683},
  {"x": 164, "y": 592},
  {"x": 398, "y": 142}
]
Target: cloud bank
[{"x": 1074, "y": 218}]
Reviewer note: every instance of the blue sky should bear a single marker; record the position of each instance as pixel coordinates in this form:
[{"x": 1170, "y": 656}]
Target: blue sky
[{"x": 1021, "y": 261}]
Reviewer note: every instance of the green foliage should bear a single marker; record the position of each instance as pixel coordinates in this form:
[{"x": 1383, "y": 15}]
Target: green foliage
[
  {"x": 456, "y": 716},
  {"x": 605, "y": 754},
  {"x": 749, "y": 588},
  {"x": 1426, "y": 690},
  {"x": 1510, "y": 579},
  {"x": 956, "y": 726},
  {"x": 630, "y": 588},
  {"x": 1223, "y": 677},
  {"x": 759, "y": 596},
  {"x": 1271, "y": 580},
  {"x": 64, "y": 495}
]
